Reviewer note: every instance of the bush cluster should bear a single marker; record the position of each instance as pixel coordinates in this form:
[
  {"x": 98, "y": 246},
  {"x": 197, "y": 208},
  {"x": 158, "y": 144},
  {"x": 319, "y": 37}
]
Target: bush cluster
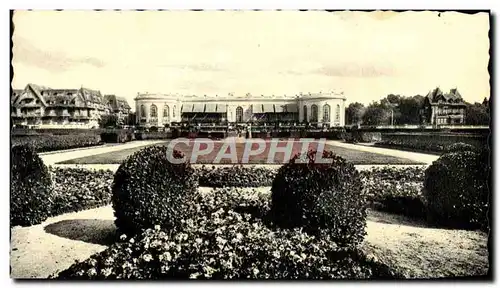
[
  {"x": 30, "y": 188},
  {"x": 219, "y": 243},
  {"x": 236, "y": 176},
  {"x": 46, "y": 143},
  {"x": 457, "y": 190},
  {"x": 320, "y": 198},
  {"x": 149, "y": 190},
  {"x": 76, "y": 189}
]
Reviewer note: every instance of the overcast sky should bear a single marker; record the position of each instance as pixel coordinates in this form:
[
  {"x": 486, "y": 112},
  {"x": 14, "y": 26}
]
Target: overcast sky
[{"x": 365, "y": 54}]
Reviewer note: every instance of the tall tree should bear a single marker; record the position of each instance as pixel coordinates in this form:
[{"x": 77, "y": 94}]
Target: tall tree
[
  {"x": 476, "y": 114},
  {"x": 376, "y": 114},
  {"x": 354, "y": 113},
  {"x": 409, "y": 109}
]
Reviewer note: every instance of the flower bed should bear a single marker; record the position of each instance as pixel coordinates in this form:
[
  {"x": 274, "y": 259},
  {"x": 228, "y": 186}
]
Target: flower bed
[
  {"x": 220, "y": 243},
  {"x": 46, "y": 143},
  {"x": 79, "y": 189},
  {"x": 237, "y": 176},
  {"x": 396, "y": 190}
]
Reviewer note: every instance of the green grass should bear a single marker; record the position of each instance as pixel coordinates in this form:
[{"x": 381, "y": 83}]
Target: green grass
[{"x": 354, "y": 156}]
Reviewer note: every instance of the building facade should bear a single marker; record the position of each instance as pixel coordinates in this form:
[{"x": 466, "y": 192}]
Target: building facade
[
  {"x": 443, "y": 108},
  {"x": 162, "y": 109},
  {"x": 119, "y": 107},
  {"x": 43, "y": 107}
]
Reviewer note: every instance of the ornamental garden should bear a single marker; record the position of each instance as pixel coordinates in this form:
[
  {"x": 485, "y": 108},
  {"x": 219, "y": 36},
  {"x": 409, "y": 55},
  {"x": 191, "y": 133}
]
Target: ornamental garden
[{"x": 305, "y": 218}]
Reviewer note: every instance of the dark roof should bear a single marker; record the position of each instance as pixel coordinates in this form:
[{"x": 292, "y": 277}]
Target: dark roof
[
  {"x": 452, "y": 97},
  {"x": 116, "y": 102}
]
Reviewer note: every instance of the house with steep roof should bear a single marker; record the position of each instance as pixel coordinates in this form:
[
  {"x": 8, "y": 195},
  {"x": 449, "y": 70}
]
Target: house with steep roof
[
  {"x": 118, "y": 106},
  {"x": 443, "y": 108},
  {"x": 45, "y": 107}
]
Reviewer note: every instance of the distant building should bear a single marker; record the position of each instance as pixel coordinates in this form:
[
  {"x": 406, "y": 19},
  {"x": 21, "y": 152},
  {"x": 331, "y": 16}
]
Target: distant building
[
  {"x": 319, "y": 108},
  {"x": 44, "y": 107},
  {"x": 443, "y": 108},
  {"x": 119, "y": 107}
]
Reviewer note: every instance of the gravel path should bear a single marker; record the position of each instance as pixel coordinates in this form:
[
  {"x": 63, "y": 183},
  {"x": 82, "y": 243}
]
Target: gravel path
[{"x": 41, "y": 250}]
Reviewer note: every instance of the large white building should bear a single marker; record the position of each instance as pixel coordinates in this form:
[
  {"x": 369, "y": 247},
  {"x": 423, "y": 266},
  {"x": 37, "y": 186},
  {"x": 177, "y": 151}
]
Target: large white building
[{"x": 160, "y": 109}]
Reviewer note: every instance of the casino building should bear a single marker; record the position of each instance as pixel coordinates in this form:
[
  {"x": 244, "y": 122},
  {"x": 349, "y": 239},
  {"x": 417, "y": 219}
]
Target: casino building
[{"x": 315, "y": 108}]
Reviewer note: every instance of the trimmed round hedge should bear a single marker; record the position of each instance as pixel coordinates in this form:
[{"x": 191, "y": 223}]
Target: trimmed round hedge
[
  {"x": 149, "y": 190},
  {"x": 31, "y": 188},
  {"x": 456, "y": 190},
  {"x": 320, "y": 198}
]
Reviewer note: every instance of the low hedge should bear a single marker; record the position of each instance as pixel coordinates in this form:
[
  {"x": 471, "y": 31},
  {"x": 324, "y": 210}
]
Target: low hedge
[
  {"x": 235, "y": 176},
  {"x": 219, "y": 243},
  {"x": 77, "y": 189},
  {"x": 47, "y": 143},
  {"x": 152, "y": 135}
]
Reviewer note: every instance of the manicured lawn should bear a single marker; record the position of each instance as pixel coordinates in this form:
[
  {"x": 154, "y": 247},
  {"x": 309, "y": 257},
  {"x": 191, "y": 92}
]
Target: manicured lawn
[{"x": 354, "y": 156}]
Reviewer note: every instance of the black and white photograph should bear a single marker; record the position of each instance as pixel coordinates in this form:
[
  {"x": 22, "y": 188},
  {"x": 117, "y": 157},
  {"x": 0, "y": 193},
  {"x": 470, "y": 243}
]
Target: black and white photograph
[{"x": 251, "y": 144}]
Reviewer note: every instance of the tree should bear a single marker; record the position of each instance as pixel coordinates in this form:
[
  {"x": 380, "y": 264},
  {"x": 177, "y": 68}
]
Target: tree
[
  {"x": 108, "y": 121},
  {"x": 476, "y": 114},
  {"x": 354, "y": 113},
  {"x": 409, "y": 109},
  {"x": 376, "y": 114}
]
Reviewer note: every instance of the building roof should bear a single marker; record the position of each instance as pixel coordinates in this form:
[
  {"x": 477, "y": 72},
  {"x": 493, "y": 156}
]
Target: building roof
[
  {"x": 116, "y": 102},
  {"x": 247, "y": 96},
  {"x": 436, "y": 95}
]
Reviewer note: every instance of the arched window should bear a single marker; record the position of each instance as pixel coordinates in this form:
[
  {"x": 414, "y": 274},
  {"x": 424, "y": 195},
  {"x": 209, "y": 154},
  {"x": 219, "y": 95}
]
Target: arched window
[
  {"x": 314, "y": 113},
  {"x": 166, "y": 111},
  {"x": 326, "y": 113},
  {"x": 153, "y": 113},
  {"x": 337, "y": 113},
  {"x": 143, "y": 111},
  {"x": 173, "y": 111},
  {"x": 305, "y": 114},
  {"x": 239, "y": 114}
]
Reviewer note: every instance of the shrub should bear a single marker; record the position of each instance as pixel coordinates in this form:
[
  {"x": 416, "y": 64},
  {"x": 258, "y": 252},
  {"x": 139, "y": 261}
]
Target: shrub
[
  {"x": 78, "y": 189},
  {"x": 116, "y": 136},
  {"x": 31, "y": 188},
  {"x": 150, "y": 190},
  {"x": 460, "y": 147},
  {"x": 320, "y": 198},
  {"x": 236, "y": 176},
  {"x": 456, "y": 190}
]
